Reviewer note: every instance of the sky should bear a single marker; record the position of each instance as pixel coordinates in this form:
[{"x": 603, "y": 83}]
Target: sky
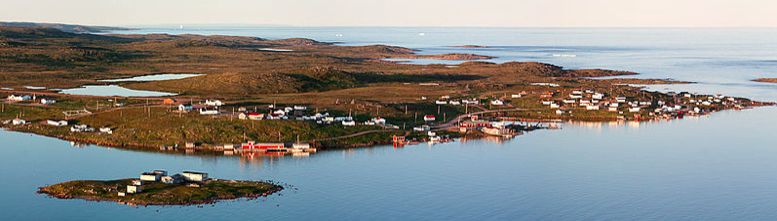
[{"x": 492, "y": 13}]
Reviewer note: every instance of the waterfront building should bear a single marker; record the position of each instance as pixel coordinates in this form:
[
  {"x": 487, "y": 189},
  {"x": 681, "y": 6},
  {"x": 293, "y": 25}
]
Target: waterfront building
[
  {"x": 150, "y": 176},
  {"x": 57, "y": 123},
  {"x": 134, "y": 189},
  {"x": 195, "y": 176}
]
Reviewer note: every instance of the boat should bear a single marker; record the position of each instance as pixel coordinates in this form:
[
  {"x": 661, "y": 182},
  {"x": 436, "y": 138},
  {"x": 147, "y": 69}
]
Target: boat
[{"x": 497, "y": 131}]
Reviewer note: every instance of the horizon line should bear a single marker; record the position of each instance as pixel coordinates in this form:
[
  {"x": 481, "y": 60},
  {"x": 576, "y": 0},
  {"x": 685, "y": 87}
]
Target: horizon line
[{"x": 364, "y": 26}]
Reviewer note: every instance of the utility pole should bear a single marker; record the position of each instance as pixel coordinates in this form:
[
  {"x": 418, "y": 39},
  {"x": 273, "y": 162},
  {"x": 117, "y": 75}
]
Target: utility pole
[
  {"x": 438, "y": 109},
  {"x": 405, "y": 109}
]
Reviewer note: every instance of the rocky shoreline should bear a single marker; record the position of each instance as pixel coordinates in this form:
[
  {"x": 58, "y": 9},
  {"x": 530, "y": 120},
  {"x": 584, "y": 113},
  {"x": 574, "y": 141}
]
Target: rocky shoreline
[{"x": 132, "y": 202}]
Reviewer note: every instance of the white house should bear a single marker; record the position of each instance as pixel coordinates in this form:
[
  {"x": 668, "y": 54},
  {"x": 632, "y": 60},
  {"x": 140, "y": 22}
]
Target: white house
[
  {"x": 620, "y": 99},
  {"x": 421, "y": 128},
  {"x": 349, "y": 123},
  {"x": 19, "y": 97},
  {"x": 554, "y": 105},
  {"x": 634, "y": 109},
  {"x": 174, "y": 179},
  {"x": 182, "y": 107},
  {"x": 57, "y": 123},
  {"x": 215, "y": 103},
  {"x": 151, "y": 176},
  {"x": 455, "y": 103},
  {"x": 497, "y": 102},
  {"x": 597, "y": 96},
  {"x": 81, "y": 128},
  {"x": 279, "y": 112},
  {"x": 18, "y": 121},
  {"x": 195, "y": 176},
  {"x": 134, "y": 189},
  {"x": 379, "y": 120},
  {"x": 560, "y": 112},
  {"x": 106, "y": 130},
  {"x": 592, "y": 107},
  {"x": 440, "y": 102},
  {"x": 209, "y": 111},
  {"x": 47, "y": 101},
  {"x": 516, "y": 96}
]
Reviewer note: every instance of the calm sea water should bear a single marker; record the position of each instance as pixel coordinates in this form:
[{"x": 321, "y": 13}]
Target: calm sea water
[{"x": 710, "y": 168}]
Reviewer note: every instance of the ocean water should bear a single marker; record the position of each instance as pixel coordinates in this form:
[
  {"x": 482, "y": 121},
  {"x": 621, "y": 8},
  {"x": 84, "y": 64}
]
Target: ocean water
[
  {"x": 716, "y": 167},
  {"x": 691, "y": 169}
]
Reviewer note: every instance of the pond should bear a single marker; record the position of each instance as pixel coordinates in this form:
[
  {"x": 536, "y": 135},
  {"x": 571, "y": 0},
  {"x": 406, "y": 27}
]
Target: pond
[
  {"x": 154, "y": 77},
  {"x": 113, "y": 90}
]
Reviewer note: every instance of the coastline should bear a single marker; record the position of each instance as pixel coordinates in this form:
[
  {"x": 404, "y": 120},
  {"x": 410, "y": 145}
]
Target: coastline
[
  {"x": 48, "y": 190},
  {"x": 210, "y": 148}
]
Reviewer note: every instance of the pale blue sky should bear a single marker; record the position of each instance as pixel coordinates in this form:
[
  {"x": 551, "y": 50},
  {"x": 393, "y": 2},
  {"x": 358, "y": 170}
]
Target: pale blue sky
[{"x": 517, "y": 13}]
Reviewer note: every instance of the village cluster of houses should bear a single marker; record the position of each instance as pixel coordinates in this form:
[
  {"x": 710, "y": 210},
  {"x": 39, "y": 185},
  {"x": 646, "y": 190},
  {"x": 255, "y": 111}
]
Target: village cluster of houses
[
  {"x": 445, "y": 99},
  {"x": 19, "y": 98},
  {"x": 591, "y": 101},
  {"x": 594, "y": 101},
  {"x": 83, "y": 128},
  {"x": 191, "y": 178}
]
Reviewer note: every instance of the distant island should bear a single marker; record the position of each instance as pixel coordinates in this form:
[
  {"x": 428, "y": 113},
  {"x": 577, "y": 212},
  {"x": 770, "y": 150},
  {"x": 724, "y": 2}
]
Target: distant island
[
  {"x": 766, "y": 80},
  {"x": 156, "y": 188},
  {"x": 67, "y": 27},
  {"x": 449, "y": 56},
  {"x": 470, "y": 46}
]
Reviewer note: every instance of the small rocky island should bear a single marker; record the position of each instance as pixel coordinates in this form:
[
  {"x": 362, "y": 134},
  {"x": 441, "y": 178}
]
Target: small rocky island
[{"x": 157, "y": 188}]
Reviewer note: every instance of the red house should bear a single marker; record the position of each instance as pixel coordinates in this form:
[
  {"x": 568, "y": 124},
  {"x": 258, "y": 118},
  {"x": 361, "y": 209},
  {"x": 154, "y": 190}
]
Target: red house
[
  {"x": 262, "y": 146},
  {"x": 429, "y": 118}
]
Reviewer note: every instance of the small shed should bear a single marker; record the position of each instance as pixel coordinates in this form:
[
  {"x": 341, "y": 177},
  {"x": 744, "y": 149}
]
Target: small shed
[
  {"x": 134, "y": 189},
  {"x": 193, "y": 176},
  {"x": 150, "y": 176},
  {"x": 55, "y": 122}
]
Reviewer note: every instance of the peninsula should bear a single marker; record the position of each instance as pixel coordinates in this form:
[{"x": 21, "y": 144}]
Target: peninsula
[{"x": 296, "y": 95}]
